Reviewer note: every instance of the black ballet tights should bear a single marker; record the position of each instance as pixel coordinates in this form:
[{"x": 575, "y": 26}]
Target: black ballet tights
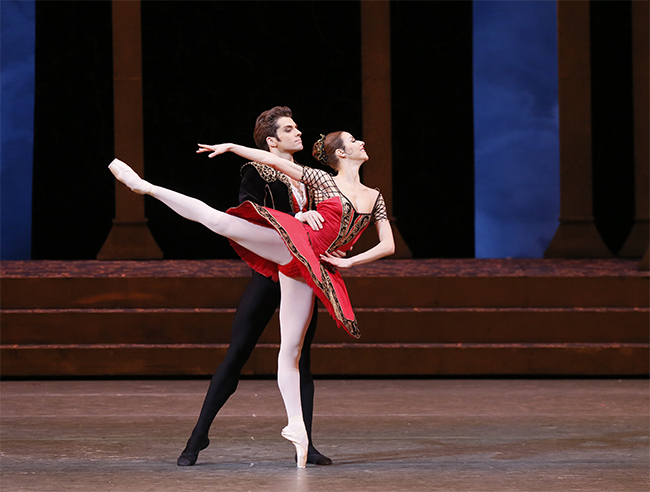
[
  {"x": 256, "y": 308},
  {"x": 306, "y": 379}
]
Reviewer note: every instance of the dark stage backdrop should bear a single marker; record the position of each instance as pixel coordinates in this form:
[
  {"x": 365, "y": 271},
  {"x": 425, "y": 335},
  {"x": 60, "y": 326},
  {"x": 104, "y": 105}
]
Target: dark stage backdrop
[
  {"x": 612, "y": 120},
  {"x": 209, "y": 68},
  {"x": 73, "y": 198},
  {"x": 433, "y": 127}
]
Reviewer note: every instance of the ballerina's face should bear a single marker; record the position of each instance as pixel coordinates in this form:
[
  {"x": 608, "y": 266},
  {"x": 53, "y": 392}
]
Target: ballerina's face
[
  {"x": 354, "y": 149},
  {"x": 288, "y": 136}
]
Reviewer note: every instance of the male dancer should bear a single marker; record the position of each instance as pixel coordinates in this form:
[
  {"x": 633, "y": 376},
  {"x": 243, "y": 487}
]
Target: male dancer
[{"x": 276, "y": 132}]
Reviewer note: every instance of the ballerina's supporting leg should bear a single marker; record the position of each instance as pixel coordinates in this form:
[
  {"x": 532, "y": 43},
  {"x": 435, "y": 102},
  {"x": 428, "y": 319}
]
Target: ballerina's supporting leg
[
  {"x": 296, "y": 307},
  {"x": 262, "y": 241}
]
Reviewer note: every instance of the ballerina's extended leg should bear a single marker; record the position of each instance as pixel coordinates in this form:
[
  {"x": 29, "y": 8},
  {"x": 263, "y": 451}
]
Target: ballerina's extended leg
[
  {"x": 130, "y": 178},
  {"x": 263, "y": 241}
]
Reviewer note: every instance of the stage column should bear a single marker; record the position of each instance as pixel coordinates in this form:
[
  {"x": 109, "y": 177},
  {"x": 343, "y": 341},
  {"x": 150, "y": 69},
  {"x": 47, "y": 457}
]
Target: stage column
[
  {"x": 576, "y": 236},
  {"x": 637, "y": 242},
  {"x": 376, "y": 101},
  {"x": 129, "y": 238}
]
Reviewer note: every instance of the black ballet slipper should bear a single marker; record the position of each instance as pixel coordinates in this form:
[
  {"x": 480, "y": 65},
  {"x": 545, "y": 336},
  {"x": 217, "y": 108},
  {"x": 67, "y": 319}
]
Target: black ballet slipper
[
  {"x": 318, "y": 459},
  {"x": 189, "y": 457},
  {"x": 315, "y": 458}
]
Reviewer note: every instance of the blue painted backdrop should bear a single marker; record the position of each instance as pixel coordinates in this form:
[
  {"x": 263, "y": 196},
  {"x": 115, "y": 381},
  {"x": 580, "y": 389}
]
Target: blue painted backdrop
[
  {"x": 16, "y": 127},
  {"x": 516, "y": 140},
  {"x": 516, "y": 127}
]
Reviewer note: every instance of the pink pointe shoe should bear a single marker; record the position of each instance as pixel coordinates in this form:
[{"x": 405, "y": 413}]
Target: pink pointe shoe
[
  {"x": 299, "y": 439},
  {"x": 124, "y": 174}
]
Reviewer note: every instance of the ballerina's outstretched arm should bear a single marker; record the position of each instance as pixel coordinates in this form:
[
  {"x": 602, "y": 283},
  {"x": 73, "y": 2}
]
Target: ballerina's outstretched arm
[{"x": 285, "y": 166}]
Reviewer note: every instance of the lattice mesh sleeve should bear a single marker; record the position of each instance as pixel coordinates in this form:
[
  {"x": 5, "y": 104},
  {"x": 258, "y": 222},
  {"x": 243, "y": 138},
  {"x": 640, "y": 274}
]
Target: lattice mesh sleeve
[
  {"x": 321, "y": 182},
  {"x": 379, "y": 211},
  {"x": 319, "y": 179}
]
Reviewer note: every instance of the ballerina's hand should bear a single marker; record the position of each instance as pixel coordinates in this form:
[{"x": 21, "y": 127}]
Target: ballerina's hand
[
  {"x": 214, "y": 149},
  {"x": 336, "y": 261},
  {"x": 339, "y": 254}
]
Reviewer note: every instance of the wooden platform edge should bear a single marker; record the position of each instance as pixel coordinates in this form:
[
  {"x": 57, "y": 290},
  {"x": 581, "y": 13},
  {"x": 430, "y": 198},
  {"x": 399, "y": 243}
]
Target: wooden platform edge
[{"x": 334, "y": 360}]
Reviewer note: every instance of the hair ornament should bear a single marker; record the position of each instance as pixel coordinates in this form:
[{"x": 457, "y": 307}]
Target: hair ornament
[{"x": 319, "y": 150}]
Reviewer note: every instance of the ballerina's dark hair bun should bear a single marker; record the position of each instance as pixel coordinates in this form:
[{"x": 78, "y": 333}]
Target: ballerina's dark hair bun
[
  {"x": 318, "y": 150},
  {"x": 325, "y": 147}
]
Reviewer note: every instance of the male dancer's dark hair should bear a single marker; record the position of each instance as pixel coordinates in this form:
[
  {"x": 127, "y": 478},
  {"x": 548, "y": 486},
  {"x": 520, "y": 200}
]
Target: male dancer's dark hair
[{"x": 267, "y": 125}]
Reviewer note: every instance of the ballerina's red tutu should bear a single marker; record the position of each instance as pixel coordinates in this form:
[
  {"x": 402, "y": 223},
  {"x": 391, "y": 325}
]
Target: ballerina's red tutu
[{"x": 342, "y": 227}]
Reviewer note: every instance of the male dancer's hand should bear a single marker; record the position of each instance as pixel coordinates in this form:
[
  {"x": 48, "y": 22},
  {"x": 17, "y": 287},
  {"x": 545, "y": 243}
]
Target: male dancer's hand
[
  {"x": 311, "y": 217},
  {"x": 315, "y": 221}
]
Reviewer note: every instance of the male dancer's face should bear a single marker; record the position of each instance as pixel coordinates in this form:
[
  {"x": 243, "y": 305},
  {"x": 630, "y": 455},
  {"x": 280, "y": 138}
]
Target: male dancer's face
[{"x": 288, "y": 136}]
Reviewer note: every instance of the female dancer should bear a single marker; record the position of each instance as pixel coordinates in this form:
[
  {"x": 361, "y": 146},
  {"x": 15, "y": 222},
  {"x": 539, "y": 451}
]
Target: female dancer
[{"x": 280, "y": 246}]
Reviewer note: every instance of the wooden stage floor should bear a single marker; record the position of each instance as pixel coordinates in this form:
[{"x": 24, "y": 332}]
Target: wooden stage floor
[{"x": 390, "y": 435}]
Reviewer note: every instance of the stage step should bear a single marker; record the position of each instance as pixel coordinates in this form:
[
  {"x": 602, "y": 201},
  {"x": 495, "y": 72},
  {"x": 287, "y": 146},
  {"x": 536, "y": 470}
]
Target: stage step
[
  {"x": 417, "y": 317},
  {"x": 380, "y": 325}
]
